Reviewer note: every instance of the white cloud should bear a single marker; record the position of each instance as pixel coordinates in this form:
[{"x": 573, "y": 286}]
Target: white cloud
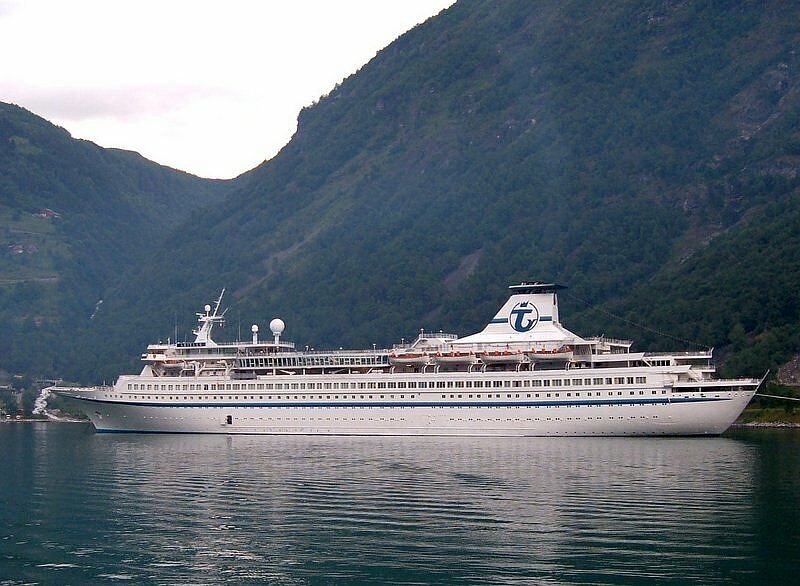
[{"x": 213, "y": 88}]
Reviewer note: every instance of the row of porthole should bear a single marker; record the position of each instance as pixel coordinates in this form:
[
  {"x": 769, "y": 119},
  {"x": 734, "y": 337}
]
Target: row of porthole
[
  {"x": 392, "y": 385},
  {"x": 488, "y": 406},
  {"x": 349, "y": 397},
  {"x": 551, "y": 418}
]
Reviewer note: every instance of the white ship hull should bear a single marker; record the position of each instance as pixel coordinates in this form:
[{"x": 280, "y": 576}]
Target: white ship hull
[{"x": 610, "y": 412}]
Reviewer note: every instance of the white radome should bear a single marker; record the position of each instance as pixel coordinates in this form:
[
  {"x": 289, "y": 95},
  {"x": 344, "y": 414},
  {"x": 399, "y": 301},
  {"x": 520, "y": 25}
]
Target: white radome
[{"x": 277, "y": 326}]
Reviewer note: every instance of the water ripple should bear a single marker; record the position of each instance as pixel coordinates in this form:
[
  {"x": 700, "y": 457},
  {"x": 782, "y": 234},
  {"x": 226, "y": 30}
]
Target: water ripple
[{"x": 289, "y": 510}]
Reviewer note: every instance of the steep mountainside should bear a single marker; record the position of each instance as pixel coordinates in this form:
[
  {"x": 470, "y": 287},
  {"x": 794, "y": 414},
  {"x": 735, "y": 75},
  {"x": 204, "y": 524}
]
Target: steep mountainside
[
  {"x": 645, "y": 154},
  {"x": 73, "y": 217}
]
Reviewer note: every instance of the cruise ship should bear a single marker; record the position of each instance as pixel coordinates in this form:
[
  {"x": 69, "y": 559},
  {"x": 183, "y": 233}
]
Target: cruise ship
[{"x": 524, "y": 374}]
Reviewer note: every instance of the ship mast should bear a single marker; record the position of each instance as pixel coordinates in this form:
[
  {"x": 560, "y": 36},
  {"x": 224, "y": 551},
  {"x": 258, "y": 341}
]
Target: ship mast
[{"x": 206, "y": 322}]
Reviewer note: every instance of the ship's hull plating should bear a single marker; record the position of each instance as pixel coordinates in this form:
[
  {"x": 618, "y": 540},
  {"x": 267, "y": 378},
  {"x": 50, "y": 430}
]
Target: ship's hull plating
[{"x": 677, "y": 415}]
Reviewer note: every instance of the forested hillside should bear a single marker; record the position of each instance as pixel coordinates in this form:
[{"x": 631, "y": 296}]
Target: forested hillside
[
  {"x": 644, "y": 153},
  {"x": 73, "y": 218}
]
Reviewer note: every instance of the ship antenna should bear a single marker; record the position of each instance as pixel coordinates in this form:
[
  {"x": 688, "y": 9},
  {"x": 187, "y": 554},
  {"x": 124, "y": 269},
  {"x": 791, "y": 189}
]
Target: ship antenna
[{"x": 219, "y": 301}]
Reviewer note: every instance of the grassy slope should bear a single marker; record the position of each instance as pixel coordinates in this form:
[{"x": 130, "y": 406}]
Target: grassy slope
[{"x": 114, "y": 209}]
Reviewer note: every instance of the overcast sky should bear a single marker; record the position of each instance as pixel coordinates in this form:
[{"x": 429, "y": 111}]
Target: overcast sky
[{"x": 212, "y": 88}]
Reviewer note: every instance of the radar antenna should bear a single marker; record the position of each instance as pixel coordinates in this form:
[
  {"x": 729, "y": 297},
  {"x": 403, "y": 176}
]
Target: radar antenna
[{"x": 207, "y": 320}]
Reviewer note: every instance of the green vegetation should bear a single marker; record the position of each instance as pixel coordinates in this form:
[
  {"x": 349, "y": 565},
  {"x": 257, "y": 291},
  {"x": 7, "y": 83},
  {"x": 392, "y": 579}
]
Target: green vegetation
[
  {"x": 645, "y": 154},
  {"x": 73, "y": 217}
]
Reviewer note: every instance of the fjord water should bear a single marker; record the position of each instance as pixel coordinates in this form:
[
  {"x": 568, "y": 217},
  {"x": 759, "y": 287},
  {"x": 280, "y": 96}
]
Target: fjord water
[{"x": 79, "y": 507}]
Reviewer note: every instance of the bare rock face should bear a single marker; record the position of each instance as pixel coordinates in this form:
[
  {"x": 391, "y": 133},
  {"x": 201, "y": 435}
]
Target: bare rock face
[{"x": 789, "y": 373}]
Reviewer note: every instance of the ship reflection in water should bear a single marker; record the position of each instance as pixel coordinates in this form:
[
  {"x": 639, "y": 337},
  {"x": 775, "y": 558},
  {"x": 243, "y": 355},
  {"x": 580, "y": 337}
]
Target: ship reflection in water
[{"x": 208, "y": 509}]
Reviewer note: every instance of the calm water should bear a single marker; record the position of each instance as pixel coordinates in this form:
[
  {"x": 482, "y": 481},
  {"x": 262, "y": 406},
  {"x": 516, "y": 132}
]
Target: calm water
[{"x": 78, "y": 507}]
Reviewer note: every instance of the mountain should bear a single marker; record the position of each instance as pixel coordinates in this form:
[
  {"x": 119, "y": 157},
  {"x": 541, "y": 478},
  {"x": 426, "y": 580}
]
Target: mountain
[
  {"x": 645, "y": 154},
  {"x": 73, "y": 217}
]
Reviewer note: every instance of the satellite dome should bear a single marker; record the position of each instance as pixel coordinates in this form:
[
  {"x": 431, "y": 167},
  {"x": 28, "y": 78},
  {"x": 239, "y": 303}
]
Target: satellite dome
[
  {"x": 254, "y": 328},
  {"x": 277, "y": 326},
  {"x": 207, "y": 308}
]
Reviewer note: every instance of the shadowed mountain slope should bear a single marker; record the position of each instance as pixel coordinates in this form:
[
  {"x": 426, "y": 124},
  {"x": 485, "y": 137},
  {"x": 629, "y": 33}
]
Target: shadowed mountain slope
[
  {"x": 645, "y": 154},
  {"x": 73, "y": 218}
]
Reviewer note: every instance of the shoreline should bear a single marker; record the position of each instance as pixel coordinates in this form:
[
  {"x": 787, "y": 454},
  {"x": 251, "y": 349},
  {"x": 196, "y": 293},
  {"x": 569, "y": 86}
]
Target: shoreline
[{"x": 767, "y": 424}]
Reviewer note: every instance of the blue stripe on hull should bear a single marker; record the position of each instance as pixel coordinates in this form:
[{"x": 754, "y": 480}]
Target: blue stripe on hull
[{"x": 654, "y": 401}]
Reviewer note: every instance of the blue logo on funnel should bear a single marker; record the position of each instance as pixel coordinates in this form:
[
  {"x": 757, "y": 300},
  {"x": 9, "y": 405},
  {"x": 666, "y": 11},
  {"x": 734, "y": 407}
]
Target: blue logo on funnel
[{"x": 524, "y": 316}]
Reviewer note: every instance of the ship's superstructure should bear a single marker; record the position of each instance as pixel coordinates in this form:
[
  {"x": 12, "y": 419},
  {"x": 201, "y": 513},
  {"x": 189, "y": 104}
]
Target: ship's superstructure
[{"x": 523, "y": 374}]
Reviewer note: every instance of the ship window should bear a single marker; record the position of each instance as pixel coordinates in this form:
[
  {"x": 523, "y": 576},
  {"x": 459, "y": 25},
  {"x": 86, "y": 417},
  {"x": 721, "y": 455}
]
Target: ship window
[
  {"x": 537, "y": 383},
  {"x": 449, "y": 384},
  {"x": 412, "y": 385},
  {"x": 619, "y": 380},
  {"x": 479, "y": 384},
  {"x": 526, "y": 383},
  {"x": 598, "y": 381},
  {"x": 392, "y": 385},
  {"x": 506, "y": 383},
  {"x": 497, "y": 383},
  {"x": 381, "y": 385},
  {"x": 629, "y": 380},
  {"x": 608, "y": 380},
  {"x": 641, "y": 380},
  {"x": 205, "y": 387},
  {"x": 460, "y": 384},
  {"x": 517, "y": 383},
  {"x": 557, "y": 382},
  {"x": 546, "y": 383},
  {"x": 149, "y": 387},
  {"x": 577, "y": 382}
]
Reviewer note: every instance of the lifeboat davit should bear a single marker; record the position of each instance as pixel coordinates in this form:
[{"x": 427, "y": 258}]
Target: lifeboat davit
[
  {"x": 557, "y": 354},
  {"x": 455, "y": 358},
  {"x": 502, "y": 357},
  {"x": 410, "y": 358}
]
